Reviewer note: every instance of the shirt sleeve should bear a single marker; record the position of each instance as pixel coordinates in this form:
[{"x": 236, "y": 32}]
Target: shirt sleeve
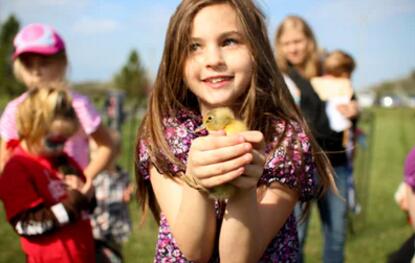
[
  {"x": 8, "y": 129},
  {"x": 17, "y": 190},
  {"x": 88, "y": 116},
  {"x": 143, "y": 162},
  {"x": 291, "y": 163}
]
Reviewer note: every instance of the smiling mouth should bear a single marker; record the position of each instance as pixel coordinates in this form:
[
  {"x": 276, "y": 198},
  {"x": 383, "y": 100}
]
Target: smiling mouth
[{"x": 216, "y": 80}]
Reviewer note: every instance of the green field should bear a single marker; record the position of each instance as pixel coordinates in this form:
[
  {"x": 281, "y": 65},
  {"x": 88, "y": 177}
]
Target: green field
[{"x": 374, "y": 233}]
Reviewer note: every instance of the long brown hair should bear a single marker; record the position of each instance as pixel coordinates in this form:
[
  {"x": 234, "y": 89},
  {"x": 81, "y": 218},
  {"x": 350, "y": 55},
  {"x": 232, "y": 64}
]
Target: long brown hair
[
  {"x": 267, "y": 96},
  {"x": 310, "y": 68}
]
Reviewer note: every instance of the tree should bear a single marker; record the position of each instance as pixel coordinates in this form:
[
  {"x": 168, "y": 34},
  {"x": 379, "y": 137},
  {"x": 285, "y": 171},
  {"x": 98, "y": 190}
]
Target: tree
[
  {"x": 8, "y": 84},
  {"x": 132, "y": 79}
]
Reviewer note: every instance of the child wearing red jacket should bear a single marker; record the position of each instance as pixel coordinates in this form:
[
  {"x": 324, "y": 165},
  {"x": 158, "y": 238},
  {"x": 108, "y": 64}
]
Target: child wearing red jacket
[{"x": 42, "y": 188}]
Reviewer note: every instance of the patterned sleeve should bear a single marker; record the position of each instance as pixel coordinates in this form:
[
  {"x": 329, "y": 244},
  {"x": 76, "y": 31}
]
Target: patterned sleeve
[
  {"x": 290, "y": 162},
  {"x": 143, "y": 163},
  {"x": 88, "y": 116},
  {"x": 179, "y": 132}
]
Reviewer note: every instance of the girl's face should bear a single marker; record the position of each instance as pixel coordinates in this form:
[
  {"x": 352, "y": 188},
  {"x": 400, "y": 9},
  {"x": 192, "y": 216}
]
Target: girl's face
[
  {"x": 294, "y": 45},
  {"x": 218, "y": 69},
  {"x": 53, "y": 142},
  {"x": 39, "y": 69}
]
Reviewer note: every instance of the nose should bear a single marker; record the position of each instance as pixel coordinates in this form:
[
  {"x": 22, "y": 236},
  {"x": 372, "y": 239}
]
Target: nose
[
  {"x": 291, "y": 47},
  {"x": 214, "y": 57},
  {"x": 37, "y": 67}
]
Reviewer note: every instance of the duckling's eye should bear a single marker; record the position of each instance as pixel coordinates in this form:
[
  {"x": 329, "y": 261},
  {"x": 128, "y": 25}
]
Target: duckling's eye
[{"x": 209, "y": 118}]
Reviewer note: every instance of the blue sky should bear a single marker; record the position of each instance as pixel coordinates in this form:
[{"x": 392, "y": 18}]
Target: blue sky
[{"x": 99, "y": 34}]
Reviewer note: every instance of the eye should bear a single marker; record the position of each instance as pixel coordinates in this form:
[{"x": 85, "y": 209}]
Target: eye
[
  {"x": 230, "y": 42},
  {"x": 209, "y": 118},
  {"x": 194, "y": 47}
]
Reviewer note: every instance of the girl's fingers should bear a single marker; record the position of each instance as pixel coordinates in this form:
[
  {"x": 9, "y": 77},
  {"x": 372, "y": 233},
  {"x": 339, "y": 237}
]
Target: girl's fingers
[
  {"x": 200, "y": 158},
  {"x": 252, "y": 136},
  {"x": 217, "y": 133},
  {"x": 212, "y": 142},
  {"x": 217, "y": 169},
  {"x": 256, "y": 138},
  {"x": 73, "y": 181},
  {"x": 252, "y": 173},
  {"x": 222, "y": 179},
  {"x": 217, "y": 159}
]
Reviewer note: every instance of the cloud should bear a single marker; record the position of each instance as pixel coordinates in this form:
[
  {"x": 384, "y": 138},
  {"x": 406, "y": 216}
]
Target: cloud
[{"x": 89, "y": 26}]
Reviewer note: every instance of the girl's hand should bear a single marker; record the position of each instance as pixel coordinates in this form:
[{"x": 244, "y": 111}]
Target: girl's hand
[
  {"x": 88, "y": 189},
  {"x": 60, "y": 175},
  {"x": 217, "y": 159},
  {"x": 253, "y": 170},
  {"x": 73, "y": 182},
  {"x": 127, "y": 192}
]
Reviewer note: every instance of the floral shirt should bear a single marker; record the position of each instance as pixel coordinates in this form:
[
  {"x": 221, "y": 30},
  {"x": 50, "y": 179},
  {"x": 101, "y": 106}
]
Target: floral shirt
[{"x": 289, "y": 162}]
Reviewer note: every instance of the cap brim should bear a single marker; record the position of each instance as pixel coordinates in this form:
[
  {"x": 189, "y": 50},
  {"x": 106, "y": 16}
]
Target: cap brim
[{"x": 37, "y": 50}]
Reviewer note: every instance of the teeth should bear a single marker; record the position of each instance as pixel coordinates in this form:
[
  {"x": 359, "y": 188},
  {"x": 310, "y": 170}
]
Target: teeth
[{"x": 217, "y": 80}]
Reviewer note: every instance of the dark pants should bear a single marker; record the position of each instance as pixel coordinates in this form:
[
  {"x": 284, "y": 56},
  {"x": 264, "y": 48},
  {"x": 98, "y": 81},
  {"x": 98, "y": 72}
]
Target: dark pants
[{"x": 405, "y": 253}]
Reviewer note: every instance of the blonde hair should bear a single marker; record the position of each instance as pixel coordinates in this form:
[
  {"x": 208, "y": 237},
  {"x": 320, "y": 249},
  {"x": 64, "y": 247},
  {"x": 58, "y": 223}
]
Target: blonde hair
[
  {"x": 266, "y": 98},
  {"x": 60, "y": 58},
  {"x": 310, "y": 67},
  {"x": 39, "y": 109},
  {"x": 338, "y": 62}
]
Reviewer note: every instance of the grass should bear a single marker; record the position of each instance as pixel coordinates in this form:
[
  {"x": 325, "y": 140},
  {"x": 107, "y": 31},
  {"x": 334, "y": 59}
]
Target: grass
[
  {"x": 377, "y": 231},
  {"x": 381, "y": 227}
]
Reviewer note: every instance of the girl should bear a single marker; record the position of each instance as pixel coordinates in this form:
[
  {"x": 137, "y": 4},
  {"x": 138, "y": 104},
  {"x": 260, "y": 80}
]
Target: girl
[
  {"x": 297, "y": 56},
  {"x": 40, "y": 57},
  {"x": 46, "y": 207},
  {"x": 217, "y": 54},
  {"x": 298, "y": 59}
]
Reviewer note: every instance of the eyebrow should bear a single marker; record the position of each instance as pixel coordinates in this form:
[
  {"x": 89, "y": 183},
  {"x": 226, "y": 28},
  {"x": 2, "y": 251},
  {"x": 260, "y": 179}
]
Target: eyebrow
[{"x": 223, "y": 35}]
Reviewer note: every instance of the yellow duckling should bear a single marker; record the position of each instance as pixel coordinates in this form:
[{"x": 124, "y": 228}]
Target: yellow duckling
[{"x": 223, "y": 119}]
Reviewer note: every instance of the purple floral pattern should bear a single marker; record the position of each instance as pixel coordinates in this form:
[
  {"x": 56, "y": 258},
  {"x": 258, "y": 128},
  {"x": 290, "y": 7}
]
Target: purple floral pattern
[{"x": 289, "y": 162}]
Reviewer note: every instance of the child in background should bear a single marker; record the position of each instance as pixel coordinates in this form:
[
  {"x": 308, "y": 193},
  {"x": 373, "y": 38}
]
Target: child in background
[
  {"x": 40, "y": 57},
  {"x": 335, "y": 87},
  {"x": 46, "y": 208},
  {"x": 111, "y": 222},
  {"x": 217, "y": 54},
  {"x": 338, "y": 67},
  {"x": 298, "y": 56}
]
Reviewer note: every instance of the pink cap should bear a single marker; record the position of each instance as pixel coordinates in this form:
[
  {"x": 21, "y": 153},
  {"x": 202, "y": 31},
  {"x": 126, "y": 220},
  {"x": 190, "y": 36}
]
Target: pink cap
[
  {"x": 37, "y": 38},
  {"x": 409, "y": 169}
]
